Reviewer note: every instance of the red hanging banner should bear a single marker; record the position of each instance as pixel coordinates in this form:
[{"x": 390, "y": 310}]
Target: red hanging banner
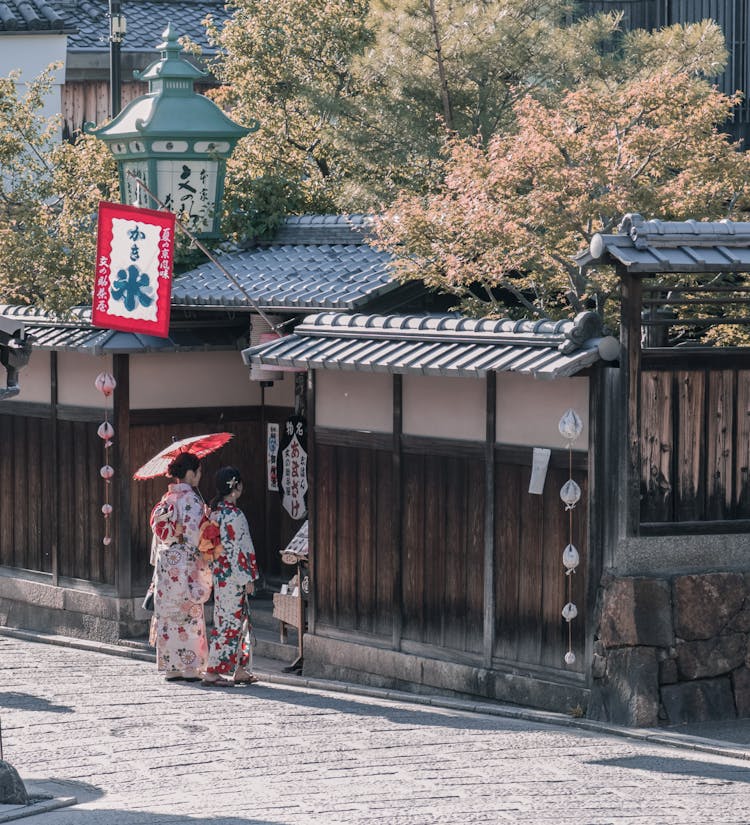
[{"x": 134, "y": 254}]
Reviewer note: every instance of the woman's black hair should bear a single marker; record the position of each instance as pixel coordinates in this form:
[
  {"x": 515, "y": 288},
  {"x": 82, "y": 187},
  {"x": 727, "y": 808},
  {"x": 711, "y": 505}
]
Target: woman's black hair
[
  {"x": 227, "y": 478},
  {"x": 182, "y": 465}
]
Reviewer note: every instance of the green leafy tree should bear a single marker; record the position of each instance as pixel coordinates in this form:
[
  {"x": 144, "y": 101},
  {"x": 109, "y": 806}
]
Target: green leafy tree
[
  {"x": 501, "y": 228},
  {"x": 49, "y": 193},
  {"x": 286, "y": 65}
]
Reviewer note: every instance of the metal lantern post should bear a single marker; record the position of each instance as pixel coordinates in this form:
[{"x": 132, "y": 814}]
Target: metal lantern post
[{"x": 175, "y": 141}]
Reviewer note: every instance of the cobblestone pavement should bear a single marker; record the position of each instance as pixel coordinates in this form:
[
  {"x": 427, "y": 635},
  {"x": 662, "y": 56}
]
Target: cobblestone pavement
[{"x": 138, "y": 751}]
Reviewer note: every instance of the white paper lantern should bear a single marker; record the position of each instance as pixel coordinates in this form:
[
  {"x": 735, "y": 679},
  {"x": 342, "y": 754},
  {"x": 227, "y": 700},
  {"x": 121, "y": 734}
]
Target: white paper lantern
[
  {"x": 105, "y": 431},
  {"x": 570, "y": 657},
  {"x": 106, "y": 472},
  {"x": 571, "y": 559},
  {"x": 570, "y": 493},
  {"x": 105, "y": 383},
  {"x": 107, "y": 510},
  {"x": 570, "y": 425},
  {"x": 569, "y": 612}
]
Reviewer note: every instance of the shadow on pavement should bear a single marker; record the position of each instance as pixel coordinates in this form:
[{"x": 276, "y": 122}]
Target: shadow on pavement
[
  {"x": 705, "y": 771},
  {"x": 27, "y": 701},
  {"x": 412, "y": 715},
  {"x": 114, "y": 816}
]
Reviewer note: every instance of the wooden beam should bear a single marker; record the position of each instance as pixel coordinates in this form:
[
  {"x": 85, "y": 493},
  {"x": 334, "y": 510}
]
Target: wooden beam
[
  {"x": 489, "y": 519},
  {"x": 397, "y": 527},
  {"x": 123, "y": 473},
  {"x": 630, "y": 365},
  {"x": 312, "y": 498},
  {"x": 54, "y": 473}
]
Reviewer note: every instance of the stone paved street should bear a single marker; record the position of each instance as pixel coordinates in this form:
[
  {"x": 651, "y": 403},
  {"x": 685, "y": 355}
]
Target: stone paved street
[{"x": 138, "y": 751}]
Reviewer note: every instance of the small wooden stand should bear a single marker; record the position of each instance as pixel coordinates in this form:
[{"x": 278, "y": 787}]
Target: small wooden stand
[{"x": 290, "y": 609}]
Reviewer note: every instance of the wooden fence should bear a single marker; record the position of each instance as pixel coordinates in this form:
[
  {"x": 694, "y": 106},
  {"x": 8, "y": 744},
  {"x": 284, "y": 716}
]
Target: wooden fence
[
  {"x": 695, "y": 443},
  {"x": 399, "y": 549}
]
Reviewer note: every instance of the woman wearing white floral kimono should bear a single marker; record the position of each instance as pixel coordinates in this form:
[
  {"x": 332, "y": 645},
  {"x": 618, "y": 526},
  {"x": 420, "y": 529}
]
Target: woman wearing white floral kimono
[
  {"x": 234, "y": 571},
  {"x": 182, "y": 577}
]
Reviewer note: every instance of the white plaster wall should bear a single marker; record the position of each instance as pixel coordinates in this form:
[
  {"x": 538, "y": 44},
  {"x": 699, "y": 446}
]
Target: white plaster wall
[
  {"x": 444, "y": 407},
  {"x": 34, "y": 379},
  {"x": 195, "y": 379},
  {"x": 31, "y": 54},
  {"x": 76, "y": 373},
  {"x": 528, "y": 409},
  {"x": 280, "y": 393},
  {"x": 354, "y": 400}
]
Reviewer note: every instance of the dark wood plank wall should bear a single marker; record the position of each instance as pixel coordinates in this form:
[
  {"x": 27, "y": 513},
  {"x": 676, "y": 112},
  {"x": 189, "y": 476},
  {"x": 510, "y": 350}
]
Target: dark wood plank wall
[
  {"x": 695, "y": 444},
  {"x": 353, "y": 561},
  {"x": 442, "y": 548},
  {"x": 27, "y": 504},
  {"x": 531, "y": 532}
]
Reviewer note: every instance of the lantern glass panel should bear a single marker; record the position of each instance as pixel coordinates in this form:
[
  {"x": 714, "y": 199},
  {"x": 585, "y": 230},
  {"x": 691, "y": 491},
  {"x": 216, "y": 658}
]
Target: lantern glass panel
[
  {"x": 188, "y": 188},
  {"x": 135, "y": 195}
]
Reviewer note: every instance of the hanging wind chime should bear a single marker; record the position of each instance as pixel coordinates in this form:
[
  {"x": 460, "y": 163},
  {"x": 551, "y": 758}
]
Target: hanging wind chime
[
  {"x": 106, "y": 384},
  {"x": 570, "y": 427}
]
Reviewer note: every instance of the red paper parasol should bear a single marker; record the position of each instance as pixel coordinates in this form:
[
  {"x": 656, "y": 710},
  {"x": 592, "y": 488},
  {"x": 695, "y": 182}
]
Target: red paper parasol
[{"x": 198, "y": 445}]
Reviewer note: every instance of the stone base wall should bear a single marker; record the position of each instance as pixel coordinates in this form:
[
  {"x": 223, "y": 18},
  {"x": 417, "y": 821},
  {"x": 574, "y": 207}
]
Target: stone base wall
[
  {"x": 672, "y": 649},
  {"x": 69, "y": 611},
  {"x": 366, "y": 664}
]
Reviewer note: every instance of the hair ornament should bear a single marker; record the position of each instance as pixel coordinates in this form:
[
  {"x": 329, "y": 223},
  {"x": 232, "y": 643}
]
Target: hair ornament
[{"x": 232, "y": 482}]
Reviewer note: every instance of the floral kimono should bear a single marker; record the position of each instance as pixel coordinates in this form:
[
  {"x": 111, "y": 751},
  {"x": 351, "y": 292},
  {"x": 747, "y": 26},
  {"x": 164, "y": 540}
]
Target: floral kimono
[
  {"x": 182, "y": 583},
  {"x": 233, "y": 568}
]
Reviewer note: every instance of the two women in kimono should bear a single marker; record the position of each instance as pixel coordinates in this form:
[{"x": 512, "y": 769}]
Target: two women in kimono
[{"x": 184, "y": 576}]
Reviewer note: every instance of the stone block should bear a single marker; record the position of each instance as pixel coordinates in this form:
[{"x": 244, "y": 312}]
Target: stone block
[
  {"x": 628, "y": 694},
  {"x": 706, "y": 700},
  {"x": 636, "y": 611},
  {"x": 12, "y": 790},
  {"x": 712, "y": 657},
  {"x": 668, "y": 672},
  {"x": 741, "y": 685},
  {"x": 705, "y": 604}
]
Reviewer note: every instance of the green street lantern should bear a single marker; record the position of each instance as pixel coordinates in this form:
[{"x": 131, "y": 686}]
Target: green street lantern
[{"x": 174, "y": 140}]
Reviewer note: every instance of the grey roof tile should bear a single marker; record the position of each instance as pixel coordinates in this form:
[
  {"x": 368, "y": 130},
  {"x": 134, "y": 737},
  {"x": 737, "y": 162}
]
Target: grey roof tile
[
  {"x": 49, "y": 332},
  {"x": 437, "y": 345},
  {"x": 87, "y": 23},
  {"x": 672, "y": 246},
  {"x": 306, "y": 272}
]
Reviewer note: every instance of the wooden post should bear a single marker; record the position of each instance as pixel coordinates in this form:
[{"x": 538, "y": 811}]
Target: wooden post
[
  {"x": 312, "y": 500},
  {"x": 489, "y": 519},
  {"x": 123, "y": 472},
  {"x": 55, "y": 473},
  {"x": 630, "y": 365},
  {"x": 396, "y": 525}
]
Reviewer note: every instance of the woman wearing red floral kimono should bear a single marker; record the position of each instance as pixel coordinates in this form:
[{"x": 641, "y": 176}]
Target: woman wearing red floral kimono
[
  {"x": 182, "y": 577},
  {"x": 234, "y": 571}
]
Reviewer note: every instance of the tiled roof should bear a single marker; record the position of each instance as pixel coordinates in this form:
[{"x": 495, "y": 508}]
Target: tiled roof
[
  {"x": 48, "y": 332},
  {"x": 87, "y": 21},
  {"x": 146, "y": 20},
  {"x": 672, "y": 246},
  {"x": 439, "y": 345},
  {"x": 315, "y": 262},
  {"x": 34, "y": 16}
]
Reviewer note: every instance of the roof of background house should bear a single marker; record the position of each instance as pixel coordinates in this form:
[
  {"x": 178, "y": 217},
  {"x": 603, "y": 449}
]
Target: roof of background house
[
  {"x": 87, "y": 21},
  {"x": 313, "y": 262},
  {"x": 439, "y": 345},
  {"x": 645, "y": 247},
  {"x": 50, "y": 332}
]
